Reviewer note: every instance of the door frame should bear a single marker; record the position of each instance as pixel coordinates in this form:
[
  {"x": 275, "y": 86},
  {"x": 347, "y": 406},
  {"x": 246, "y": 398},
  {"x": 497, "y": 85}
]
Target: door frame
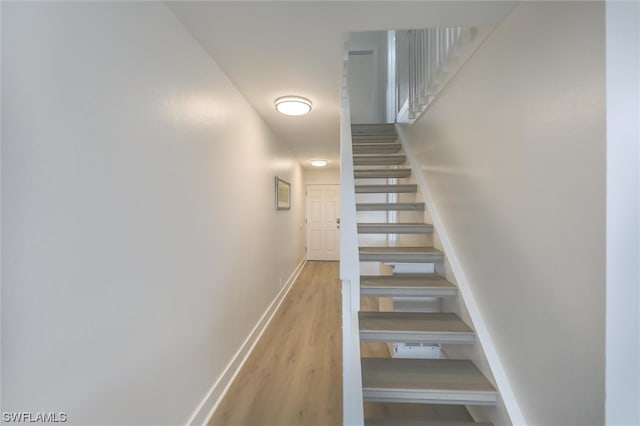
[{"x": 306, "y": 215}]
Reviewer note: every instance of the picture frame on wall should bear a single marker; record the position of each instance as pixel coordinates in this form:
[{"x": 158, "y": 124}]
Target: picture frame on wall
[{"x": 283, "y": 194}]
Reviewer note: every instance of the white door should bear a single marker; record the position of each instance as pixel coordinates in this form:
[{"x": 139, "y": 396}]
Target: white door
[{"x": 323, "y": 230}]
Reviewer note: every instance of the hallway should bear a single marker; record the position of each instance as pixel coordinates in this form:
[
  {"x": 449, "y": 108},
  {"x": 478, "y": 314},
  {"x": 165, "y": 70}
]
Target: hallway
[
  {"x": 294, "y": 374},
  {"x": 144, "y": 247}
]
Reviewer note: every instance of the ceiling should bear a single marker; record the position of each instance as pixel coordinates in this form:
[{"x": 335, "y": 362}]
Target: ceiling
[{"x": 274, "y": 48}]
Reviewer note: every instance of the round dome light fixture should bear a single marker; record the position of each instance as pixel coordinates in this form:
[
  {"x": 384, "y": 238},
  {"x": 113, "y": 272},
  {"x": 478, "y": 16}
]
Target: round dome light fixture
[
  {"x": 293, "y": 105},
  {"x": 319, "y": 163}
]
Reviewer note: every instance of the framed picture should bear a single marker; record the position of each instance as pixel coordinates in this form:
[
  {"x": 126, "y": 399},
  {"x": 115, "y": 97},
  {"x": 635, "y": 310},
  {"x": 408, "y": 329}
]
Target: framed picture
[{"x": 283, "y": 194}]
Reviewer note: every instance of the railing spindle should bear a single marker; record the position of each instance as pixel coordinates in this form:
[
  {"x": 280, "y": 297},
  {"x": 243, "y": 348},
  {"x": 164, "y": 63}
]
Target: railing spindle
[{"x": 431, "y": 53}]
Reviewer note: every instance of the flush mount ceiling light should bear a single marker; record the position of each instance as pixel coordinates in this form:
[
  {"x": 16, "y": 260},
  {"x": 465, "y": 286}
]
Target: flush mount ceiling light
[
  {"x": 293, "y": 105},
  {"x": 319, "y": 163}
]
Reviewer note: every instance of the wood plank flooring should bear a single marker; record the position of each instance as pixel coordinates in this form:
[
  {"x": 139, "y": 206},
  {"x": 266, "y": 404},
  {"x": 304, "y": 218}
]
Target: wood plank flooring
[{"x": 294, "y": 374}]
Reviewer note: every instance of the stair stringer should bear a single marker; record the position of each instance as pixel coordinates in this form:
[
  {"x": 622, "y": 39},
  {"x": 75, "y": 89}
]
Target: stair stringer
[{"x": 484, "y": 354}]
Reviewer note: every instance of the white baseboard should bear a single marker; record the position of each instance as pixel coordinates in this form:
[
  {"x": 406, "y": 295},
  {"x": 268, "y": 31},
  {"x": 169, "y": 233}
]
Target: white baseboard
[{"x": 210, "y": 402}]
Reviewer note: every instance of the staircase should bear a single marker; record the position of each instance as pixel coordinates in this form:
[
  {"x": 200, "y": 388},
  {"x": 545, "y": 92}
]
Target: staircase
[{"x": 395, "y": 240}]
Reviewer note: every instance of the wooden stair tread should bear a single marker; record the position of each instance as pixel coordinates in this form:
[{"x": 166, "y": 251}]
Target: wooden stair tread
[
  {"x": 399, "y": 250},
  {"x": 371, "y": 139},
  {"x": 377, "y": 148},
  {"x": 436, "y": 322},
  {"x": 381, "y": 173},
  {"x": 373, "y": 129},
  {"x": 386, "y": 188},
  {"x": 406, "y": 280},
  {"x": 395, "y": 228},
  {"x": 378, "y": 159},
  {"x": 379, "y": 145},
  {"x": 398, "y": 225},
  {"x": 400, "y": 254},
  {"x": 406, "y": 285},
  {"x": 390, "y": 207},
  {"x": 412, "y": 422},
  {"x": 425, "y": 379},
  {"x": 414, "y": 327},
  {"x": 379, "y": 155}
]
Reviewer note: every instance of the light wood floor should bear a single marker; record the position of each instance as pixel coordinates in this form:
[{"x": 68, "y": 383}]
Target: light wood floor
[{"x": 294, "y": 374}]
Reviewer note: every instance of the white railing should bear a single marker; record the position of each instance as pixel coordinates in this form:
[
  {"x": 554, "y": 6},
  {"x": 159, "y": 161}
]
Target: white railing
[
  {"x": 432, "y": 54},
  {"x": 349, "y": 271}
]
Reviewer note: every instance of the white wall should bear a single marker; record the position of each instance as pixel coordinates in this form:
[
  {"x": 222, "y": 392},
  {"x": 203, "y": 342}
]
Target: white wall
[
  {"x": 368, "y": 87},
  {"x": 138, "y": 220},
  {"x": 623, "y": 213},
  {"x": 322, "y": 176},
  {"x": 514, "y": 153}
]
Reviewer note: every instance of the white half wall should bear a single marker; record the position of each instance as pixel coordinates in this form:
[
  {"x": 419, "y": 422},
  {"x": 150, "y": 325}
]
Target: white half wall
[
  {"x": 513, "y": 151},
  {"x": 140, "y": 242}
]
